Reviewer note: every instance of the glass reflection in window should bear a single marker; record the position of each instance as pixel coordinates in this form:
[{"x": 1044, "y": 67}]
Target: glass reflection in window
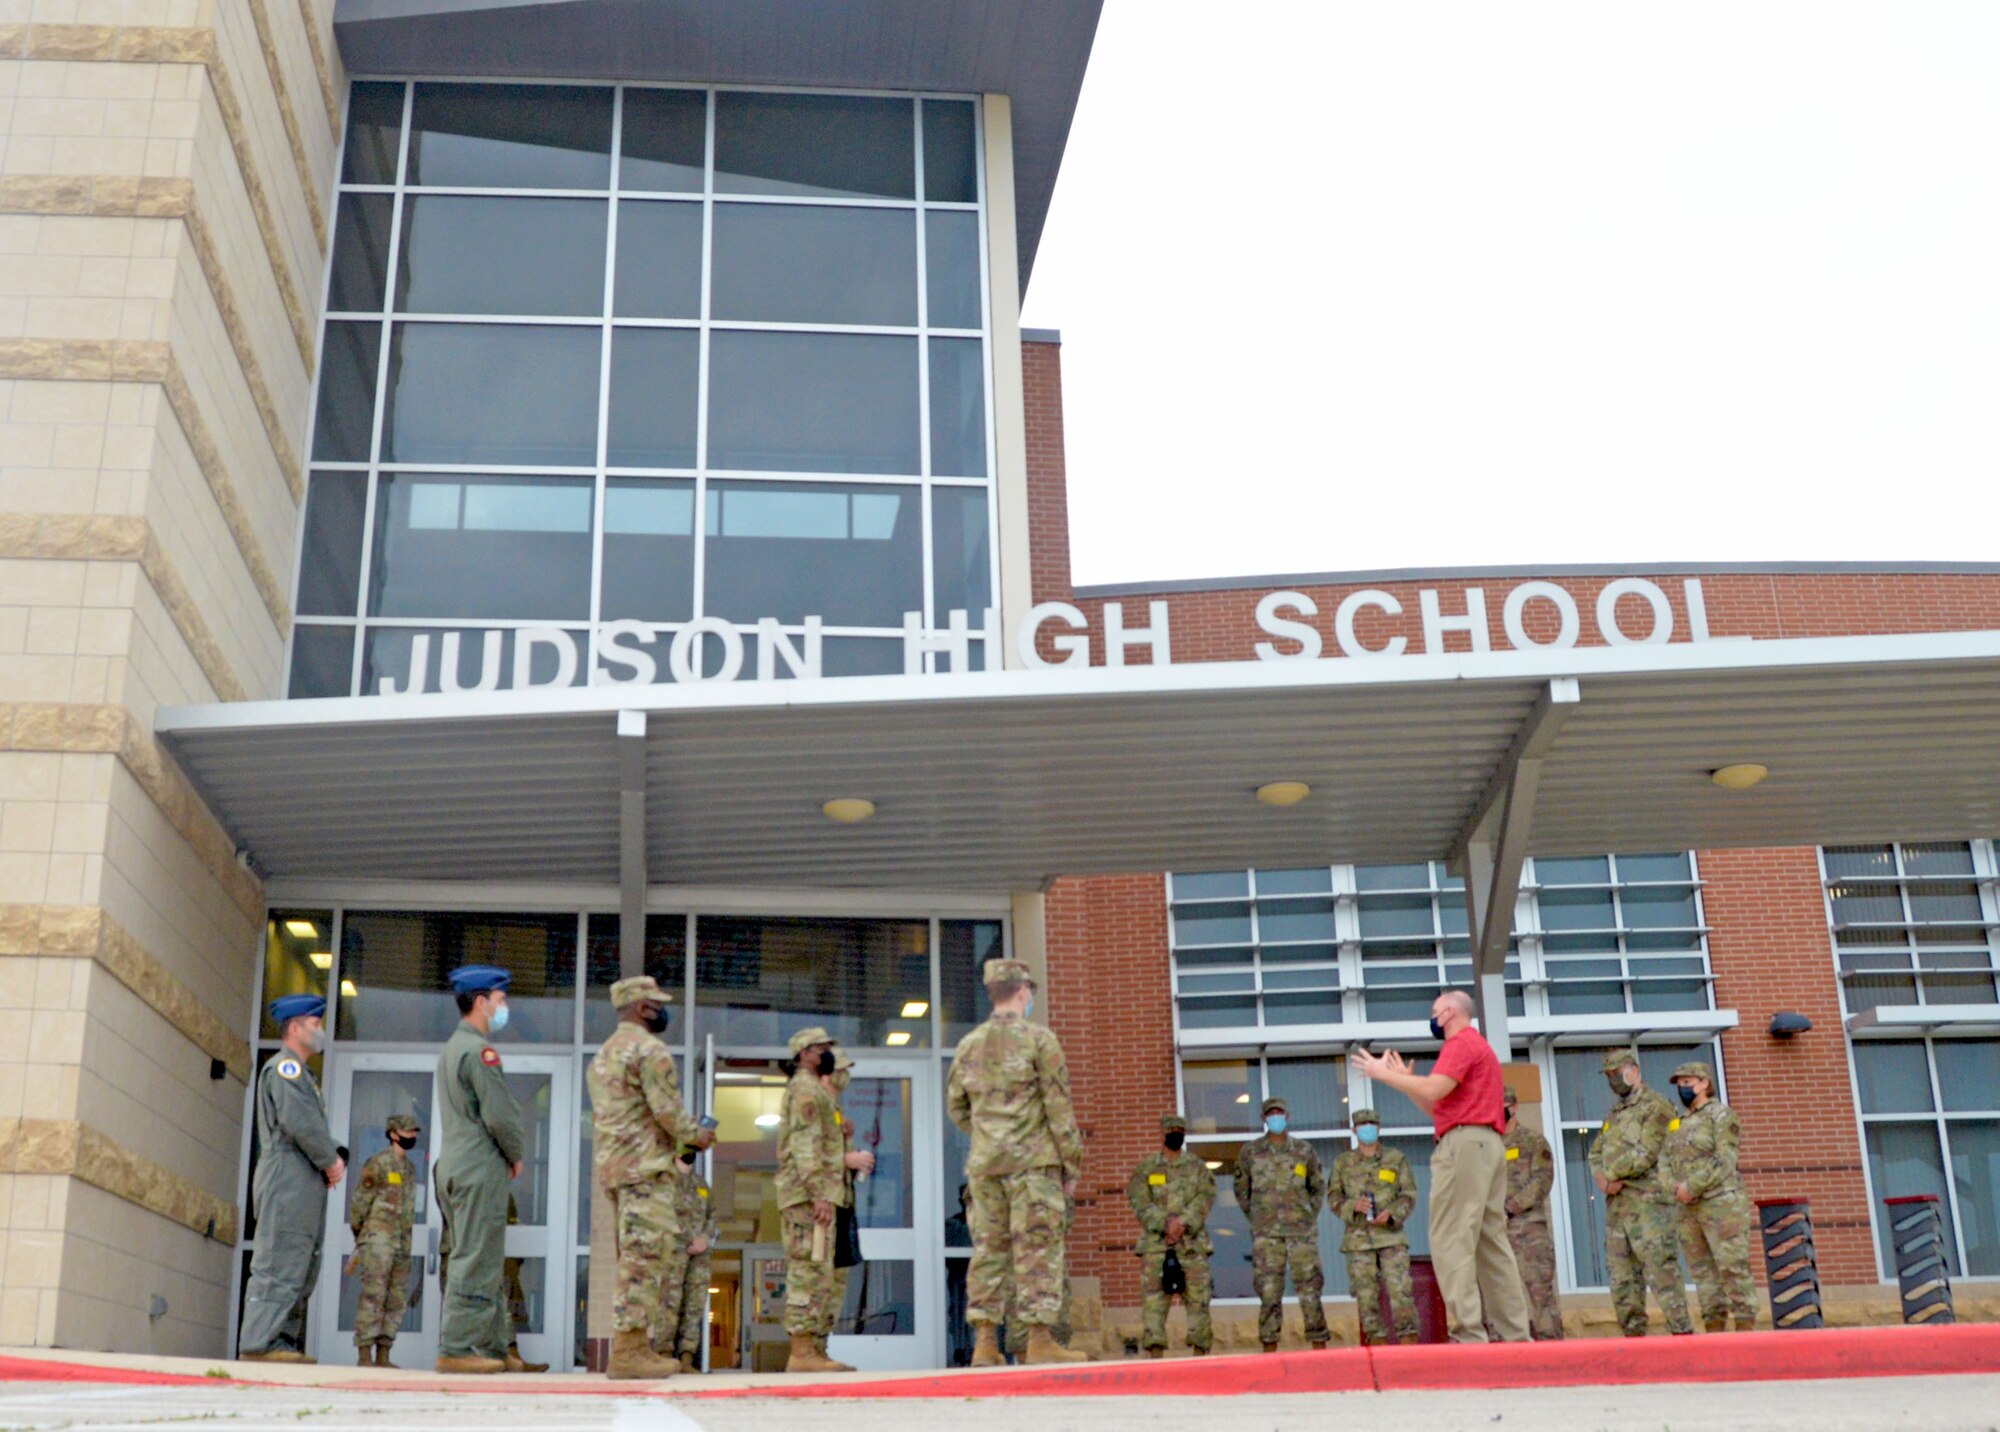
[
  {"x": 510, "y": 394},
  {"x": 500, "y": 136},
  {"x": 852, "y": 555},
  {"x": 496, "y": 547}
]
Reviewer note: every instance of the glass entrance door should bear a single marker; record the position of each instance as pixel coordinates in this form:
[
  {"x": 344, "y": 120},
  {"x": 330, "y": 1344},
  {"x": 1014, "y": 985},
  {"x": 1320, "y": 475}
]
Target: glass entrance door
[
  {"x": 891, "y": 1318},
  {"x": 364, "y": 1089}
]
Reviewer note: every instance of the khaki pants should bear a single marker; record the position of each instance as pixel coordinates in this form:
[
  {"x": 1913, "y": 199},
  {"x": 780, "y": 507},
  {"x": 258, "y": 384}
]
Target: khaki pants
[{"x": 1475, "y": 1264}]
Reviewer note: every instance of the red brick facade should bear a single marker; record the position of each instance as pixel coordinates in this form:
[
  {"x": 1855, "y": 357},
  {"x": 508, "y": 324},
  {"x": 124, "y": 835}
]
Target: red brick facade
[{"x": 1108, "y": 957}]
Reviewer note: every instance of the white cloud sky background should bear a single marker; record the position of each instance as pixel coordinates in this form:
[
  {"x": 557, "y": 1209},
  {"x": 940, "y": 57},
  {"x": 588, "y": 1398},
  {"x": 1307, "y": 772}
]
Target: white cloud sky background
[{"x": 1347, "y": 286}]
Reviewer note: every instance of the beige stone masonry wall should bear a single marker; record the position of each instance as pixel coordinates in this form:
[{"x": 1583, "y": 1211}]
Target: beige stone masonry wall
[
  {"x": 65, "y": 1147},
  {"x": 316, "y": 33}
]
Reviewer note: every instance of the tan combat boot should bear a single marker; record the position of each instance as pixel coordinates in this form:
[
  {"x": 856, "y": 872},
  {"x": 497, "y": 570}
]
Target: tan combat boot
[
  {"x": 806, "y": 1357},
  {"x": 517, "y": 1363},
  {"x": 276, "y": 1354},
  {"x": 1270, "y": 1347},
  {"x": 471, "y": 1362},
  {"x": 382, "y": 1355},
  {"x": 1043, "y": 1348},
  {"x": 986, "y": 1346},
  {"x": 633, "y": 1359},
  {"x": 1156, "y": 1352},
  {"x": 364, "y": 1354},
  {"x": 819, "y": 1341}
]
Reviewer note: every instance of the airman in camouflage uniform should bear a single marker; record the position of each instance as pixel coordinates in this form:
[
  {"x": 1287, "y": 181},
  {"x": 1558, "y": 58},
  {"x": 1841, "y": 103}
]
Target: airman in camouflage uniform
[
  {"x": 1014, "y": 1331},
  {"x": 1531, "y": 1173},
  {"x": 639, "y": 1124},
  {"x": 1009, "y": 1089},
  {"x": 1641, "y": 1244},
  {"x": 1372, "y": 1192},
  {"x": 1715, "y": 1212},
  {"x": 1279, "y": 1185},
  {"x": 1171, "y": 1192},
  {"x": 812, "y": 1183},
  {"x": 690, "y": 1299},
  {"x": 381, "y": 1213}
]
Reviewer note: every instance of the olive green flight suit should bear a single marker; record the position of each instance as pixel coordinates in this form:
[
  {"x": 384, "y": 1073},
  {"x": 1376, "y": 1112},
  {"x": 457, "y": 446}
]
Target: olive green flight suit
[
  {"x": 289, "y": 1196},
  {"x": 480, "y": 1141}
]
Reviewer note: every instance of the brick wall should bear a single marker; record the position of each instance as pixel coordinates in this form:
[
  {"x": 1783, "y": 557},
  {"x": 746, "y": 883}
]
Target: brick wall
[
  {"x": 1769, "y": 952},
  {"x": 1048, "y": 492}
]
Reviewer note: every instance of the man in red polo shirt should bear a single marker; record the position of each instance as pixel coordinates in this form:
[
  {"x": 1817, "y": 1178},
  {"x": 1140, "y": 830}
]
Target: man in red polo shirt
[{"x": 1475, "y": 1264}]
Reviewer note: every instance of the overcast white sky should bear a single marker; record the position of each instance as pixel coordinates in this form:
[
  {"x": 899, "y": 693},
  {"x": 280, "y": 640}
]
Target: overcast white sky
[{"x": 1348, "y": 286}]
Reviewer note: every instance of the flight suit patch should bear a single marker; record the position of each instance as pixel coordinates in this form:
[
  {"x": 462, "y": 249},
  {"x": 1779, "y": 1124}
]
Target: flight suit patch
[
  {"x": 288, "y": 1068},
  {"x": 490, "y": 1056}
]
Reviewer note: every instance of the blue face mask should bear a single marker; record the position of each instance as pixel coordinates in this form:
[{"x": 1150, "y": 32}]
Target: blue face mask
[
  {"x": 1274, "y": 1123},
  {"x": 499, "y": 1020},
  {"x": 1367, "y": 1133},
  {"x": 1030, "y": 1009}
]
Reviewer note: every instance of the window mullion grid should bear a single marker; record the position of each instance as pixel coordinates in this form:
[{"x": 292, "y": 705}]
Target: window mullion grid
[
  {"x": 1701, "y": 925},
  {"x": 1943, "y": 1127},
  {"x": 1256, "y": 951},
  {"x": 1911, "y": 948},
  {"x": 1534, "y": 970},
  {"x": 387, "y": 331},
  {"x": 928, "y": 605},
  {"x": 699, "y": 608},
  {"x": 598, "y": 483},
  {"x": 1989, "y": 904},
  {"x": 995, "y": 628},
  {"x": 1347, "y": 942},
  {"x": 1616, "y": 891}
]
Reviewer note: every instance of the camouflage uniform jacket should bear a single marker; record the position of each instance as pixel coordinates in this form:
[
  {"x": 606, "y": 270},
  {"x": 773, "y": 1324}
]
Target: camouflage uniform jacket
[
  {"x": 697, "y": 1209},
  {"x": 1701, "y": 1153},
  {"x": 480, "y": 1121},
  {"x": 1629, "y": 1145},
  {"x": 1010, "y": 1090},
  {"x": 385, "y": 1199},
  {"x": 1161, "y": 1188},
  {"x": 812, "y": 1144},
  {"x": 638, "y": 1120},
  {"x": 1385, "y": 1174},
  {"x": 1531, "y": 1173},
  {"x": 1279, "y": 1186}
]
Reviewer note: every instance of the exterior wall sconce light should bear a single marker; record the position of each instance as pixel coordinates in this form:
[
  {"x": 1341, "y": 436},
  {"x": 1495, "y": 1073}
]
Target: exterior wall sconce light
[{"x": 1785, "y": 1024}]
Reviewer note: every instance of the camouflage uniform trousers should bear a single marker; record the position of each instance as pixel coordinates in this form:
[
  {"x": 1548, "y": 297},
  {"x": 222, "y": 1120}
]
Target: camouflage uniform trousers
[
  {"x": 651, "y": 1258},
  {"x": 1715, "y": 1236},
  {"x": 1269, "y": 1257},
  {"x": 1154, "y": 1303},
  {"x": 1535, "y": 1253},
  {"x": 1369, "y": 1271},
  {"x": 814, "y": 1288},
  {"x": 690, "y": 1304},
  {"x": 382, "y": 1289},
  {"x": 1017, "y": 1235},
  {"x": 1642, "y": 1248}
]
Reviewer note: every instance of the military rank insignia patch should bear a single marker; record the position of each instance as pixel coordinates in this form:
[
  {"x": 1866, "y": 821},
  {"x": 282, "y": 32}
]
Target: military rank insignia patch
[
  {"x": 491, "y": 1056},
  {"x": 288, "y": 1068}
]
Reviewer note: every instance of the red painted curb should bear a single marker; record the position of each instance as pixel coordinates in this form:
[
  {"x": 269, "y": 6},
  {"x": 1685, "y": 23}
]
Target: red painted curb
[{"x": 35, "y": 1369}]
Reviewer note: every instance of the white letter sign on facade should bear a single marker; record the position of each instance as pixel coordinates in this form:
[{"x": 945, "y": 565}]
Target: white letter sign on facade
[{"x": 627, "y": 653}]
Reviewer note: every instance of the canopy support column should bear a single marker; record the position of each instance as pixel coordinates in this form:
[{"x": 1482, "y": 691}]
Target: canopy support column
[
  {"x": 1491, "y": 847},
  {"x": 631, "y": 843}
]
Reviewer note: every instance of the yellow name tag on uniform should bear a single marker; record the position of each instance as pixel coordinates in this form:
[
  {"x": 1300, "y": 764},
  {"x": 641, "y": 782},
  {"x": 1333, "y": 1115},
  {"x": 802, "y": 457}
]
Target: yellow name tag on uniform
[
  {"x": 702, "y": 1191},
  {"x": 1513, "y": 1154},
  {"x": 1158, "y": 1180},
  {"x": 395, "y": 1178},
  {"x": 1607, "y": 1127},
  {"x": 1299, "y": 1170},
  {"x": 1387, "y": 1175},
  {"x": 836, "y": 1118},
  {"x": 1673, "y": 1124}
]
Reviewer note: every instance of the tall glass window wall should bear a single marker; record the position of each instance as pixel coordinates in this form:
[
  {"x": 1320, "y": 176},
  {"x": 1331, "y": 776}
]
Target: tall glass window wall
[
  {"x": 684, "y": 361},
  {"x": 1917, "y": 926},
  {"x": 744, "y": 982},
  {"x": 1277, "y": 970}
]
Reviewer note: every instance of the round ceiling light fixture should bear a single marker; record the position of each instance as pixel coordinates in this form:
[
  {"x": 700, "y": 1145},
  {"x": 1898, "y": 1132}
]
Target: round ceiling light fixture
[
  {"x": 1283, "y": 793},
  {"x": 1739, "y": 777},
  {"x": 848, "y": 810}
]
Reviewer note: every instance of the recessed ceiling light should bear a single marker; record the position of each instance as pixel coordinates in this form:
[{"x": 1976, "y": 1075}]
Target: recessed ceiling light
[
  {"x": 322, "y": 959},
  {"x": 1213, "y": 1163},
  {"x": 347, "y": 989},
  {"x": 1283, "y": 793},
  {"x": 848, "y": 810},
  {"x": 916, "y": 1009},
  {"x": 1739, "y": 777},
  {"x": 766, "y": 1121},
  {"x": 900, "y": 1036},
  {"x": 304, "y": 929}
]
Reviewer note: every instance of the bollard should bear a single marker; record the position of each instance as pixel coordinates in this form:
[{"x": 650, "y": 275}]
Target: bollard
[
  {"x": 1791, "y": 1269},
  {"x": 1916, "y": 1236}
]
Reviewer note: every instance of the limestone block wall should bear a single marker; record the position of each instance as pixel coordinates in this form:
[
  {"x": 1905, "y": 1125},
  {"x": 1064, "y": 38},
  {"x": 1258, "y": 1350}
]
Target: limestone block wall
[{"x": 166, "y": 168}]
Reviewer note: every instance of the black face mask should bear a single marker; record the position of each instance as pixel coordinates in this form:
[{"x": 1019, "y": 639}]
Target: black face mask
[
  {"x": 404, "y": 1142},
  {"x": 687, "y": 1160},
  {"x": 1437, "y": 1030},
  {"x": 1175, "y": 1139},
  {"x": 656, "y": 1021},
  {"x": 825, "y": 1064},
  {"x": 1686, "y": 1093}
]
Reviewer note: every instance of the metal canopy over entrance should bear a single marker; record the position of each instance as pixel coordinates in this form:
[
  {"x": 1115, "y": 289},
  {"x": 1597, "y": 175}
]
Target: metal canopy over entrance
[{"x": 998, "y": 781}]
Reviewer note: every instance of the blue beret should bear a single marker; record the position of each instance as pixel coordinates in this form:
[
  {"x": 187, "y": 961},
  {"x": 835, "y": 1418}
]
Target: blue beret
[
  {"x": 297, "y": 1006},
  {"x": 477, "y": 979}
]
